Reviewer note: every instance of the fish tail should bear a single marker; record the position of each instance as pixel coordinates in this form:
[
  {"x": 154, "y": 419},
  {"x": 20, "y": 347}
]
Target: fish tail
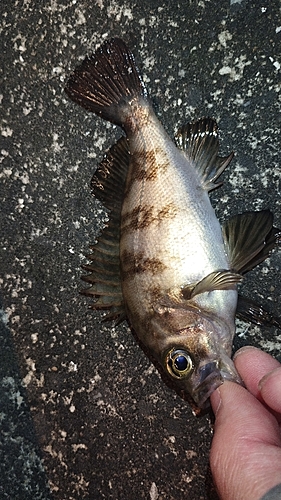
[{"x": 107, "y": 81}]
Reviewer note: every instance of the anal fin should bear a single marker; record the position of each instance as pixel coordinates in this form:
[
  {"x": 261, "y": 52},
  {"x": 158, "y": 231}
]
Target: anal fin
[
  {"x": 249, "y": 310},
  {"x": 104, "y": 277}
]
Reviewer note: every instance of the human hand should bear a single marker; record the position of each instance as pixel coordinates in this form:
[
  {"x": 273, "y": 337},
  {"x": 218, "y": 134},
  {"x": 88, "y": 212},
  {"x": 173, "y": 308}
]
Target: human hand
[{"x": 246, "y": 449}]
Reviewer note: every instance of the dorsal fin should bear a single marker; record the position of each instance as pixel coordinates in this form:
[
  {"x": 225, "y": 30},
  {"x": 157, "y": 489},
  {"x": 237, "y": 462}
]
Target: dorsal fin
[
  {"x": 200, "y": 143},
  {"x": 108, "y": 182},
  {"x": 249, "y": 238},
  {"x": 108, "y": 185}
]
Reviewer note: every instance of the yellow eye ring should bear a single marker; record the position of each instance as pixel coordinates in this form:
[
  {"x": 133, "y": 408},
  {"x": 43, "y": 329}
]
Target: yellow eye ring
[{"x": 179, "y": 363}]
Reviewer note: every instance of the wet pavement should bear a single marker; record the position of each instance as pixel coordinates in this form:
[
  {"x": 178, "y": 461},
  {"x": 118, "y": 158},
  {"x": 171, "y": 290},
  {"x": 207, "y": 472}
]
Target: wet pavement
[{"x": 83, "y": 412}]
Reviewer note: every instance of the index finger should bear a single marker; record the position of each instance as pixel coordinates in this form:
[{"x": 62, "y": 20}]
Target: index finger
[
  {"x": 270, "y": 390},
  {"x": 252, "y": 365}
]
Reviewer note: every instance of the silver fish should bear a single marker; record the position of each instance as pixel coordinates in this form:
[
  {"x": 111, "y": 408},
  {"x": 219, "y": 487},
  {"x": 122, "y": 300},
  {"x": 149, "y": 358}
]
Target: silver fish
[{"x": 164, "y": 262}]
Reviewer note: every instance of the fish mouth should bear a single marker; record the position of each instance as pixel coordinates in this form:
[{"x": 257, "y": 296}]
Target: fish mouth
[
  {"x": 210, "y": 378},
  {"x": 211, "y": 375}
]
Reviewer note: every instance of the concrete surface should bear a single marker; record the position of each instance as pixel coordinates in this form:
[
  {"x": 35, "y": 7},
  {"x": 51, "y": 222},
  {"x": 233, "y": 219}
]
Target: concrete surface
[{"x": 82, "y": 409}]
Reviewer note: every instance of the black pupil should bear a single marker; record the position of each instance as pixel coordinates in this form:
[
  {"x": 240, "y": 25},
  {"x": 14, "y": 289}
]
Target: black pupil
[{"x": 181, "y": 363}]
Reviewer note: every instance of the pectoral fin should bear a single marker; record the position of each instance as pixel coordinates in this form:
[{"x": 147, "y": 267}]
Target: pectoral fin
[
  {"x": 218, "y": 280},
  {"x": 108, "y": 185},
  {"x": 200, "y": 143},
  {"x": 249, "y": 238}
]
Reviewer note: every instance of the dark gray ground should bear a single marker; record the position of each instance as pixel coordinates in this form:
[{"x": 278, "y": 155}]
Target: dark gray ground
[{"x": 93, "y": 418}]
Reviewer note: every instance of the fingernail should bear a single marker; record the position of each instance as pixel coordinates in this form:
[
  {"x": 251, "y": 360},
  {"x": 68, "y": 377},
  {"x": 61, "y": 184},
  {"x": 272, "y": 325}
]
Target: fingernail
[
  {"x": 273, "y": 373},
  {"x": 242, "y": 350},
  {"x": 216, "y": 401}
]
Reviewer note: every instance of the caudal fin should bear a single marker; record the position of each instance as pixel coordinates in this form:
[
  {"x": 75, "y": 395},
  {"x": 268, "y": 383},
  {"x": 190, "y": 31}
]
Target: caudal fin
[{"x": 106, "y": 81}]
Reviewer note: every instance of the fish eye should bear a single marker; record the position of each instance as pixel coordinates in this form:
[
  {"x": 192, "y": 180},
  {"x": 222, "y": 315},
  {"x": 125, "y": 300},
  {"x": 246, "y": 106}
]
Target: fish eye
[{"x": 179, "y": 363}]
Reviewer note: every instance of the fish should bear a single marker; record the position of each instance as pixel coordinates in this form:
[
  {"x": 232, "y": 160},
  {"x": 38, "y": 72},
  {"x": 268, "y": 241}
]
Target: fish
[{"x": 164, "y": 262}]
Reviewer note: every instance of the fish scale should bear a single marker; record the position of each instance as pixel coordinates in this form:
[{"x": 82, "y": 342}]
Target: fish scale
[
  {"x": 164, "y": 262},
  {"x": 172, "y": 238}
]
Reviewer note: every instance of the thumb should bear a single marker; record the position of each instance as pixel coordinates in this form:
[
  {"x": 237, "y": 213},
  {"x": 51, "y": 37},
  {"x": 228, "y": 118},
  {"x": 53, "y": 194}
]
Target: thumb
[{"x": 245, "y": 446}]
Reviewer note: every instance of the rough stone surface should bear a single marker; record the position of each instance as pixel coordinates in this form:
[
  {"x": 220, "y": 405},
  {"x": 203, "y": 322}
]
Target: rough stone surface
[{"x": 81, "y": 407}]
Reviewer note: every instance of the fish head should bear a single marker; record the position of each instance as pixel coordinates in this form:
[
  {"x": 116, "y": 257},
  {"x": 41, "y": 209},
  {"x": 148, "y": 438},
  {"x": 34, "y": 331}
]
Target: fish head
[
  {"x": 198, "y": 377},
  {"x": 194, "y": 349}
]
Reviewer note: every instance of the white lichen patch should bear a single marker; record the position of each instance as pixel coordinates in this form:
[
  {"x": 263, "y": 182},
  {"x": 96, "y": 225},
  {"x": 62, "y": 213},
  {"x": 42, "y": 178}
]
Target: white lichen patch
[
  {"x": 224, "y": 37},
  {"x": 34, "y": 338},
  {"x": 4, "y": 317},
  {"x": 67, "y": 399},
  {"x": 190, "y": 454},
  {"x": 57, "y": 455},
  {"x": 81, "y": 485},
  {"x": 6, "y": 171},
  {"x": 78, "y": 446},
  {"x": 19, "y": 43},
  {"x": 16, "y": 285},
  {"x": 31, "y": 377},
  {"x": 100, "y": 4},
  {"x": 170, "y": 443},
  {"x": 94, "y": 382},
  {"x": 234, "y": 69},
  {"x": 275, "y": 63},
  {"x": 38, "y": 232},
  {"x": 72, "y": 367},
  {"x": 154, "y": 398},
  {"x": 56, "y": 146},
  {"x": 51, "y": 398},
  {"x": 270, "y": 346},
  {"x": 148, "y": 63},
  {"x": 119, "y": 11},
  {"x": 107, "y": 408},
  {"x": 11, "y": 386},
  {"x": 153, "y": 492},
  {"x": 238, "y": 177},
  {"x": 6, "y": 131},
  {"x": 147, "y": 373}
]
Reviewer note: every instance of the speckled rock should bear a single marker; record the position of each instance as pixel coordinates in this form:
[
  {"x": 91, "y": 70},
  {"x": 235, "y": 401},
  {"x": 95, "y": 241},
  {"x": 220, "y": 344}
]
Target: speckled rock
[{"x": 82, "y": 408}]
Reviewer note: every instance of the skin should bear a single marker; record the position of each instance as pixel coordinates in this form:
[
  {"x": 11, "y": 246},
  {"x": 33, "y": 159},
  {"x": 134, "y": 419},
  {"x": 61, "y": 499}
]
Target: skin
[{"x": 246, "y": 450}]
